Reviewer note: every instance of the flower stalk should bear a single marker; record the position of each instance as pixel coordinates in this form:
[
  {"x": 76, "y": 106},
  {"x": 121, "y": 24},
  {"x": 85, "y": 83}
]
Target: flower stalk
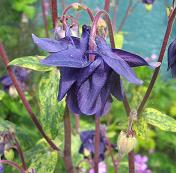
[
  {"x": 20, "y": 152},
  {"x": 13, "y": 164},
  {"x": 107, "y": 5},
  {"x": 24, "y": 100},
  {"x": 54, "y": 12},
  {"x": 91, "y": 47},
  {"x": 160, "y": 59},
  {"x": 45, "y": 18},
  {"x": 115, "y": 15},
  {"x": 126, "y": 15},
  {"x": 67, "y": 142}
]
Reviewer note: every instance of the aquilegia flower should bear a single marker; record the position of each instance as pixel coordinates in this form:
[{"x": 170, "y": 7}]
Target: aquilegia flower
[
  {"x": 172, "y": 58},
  {"x": 87, "y": 147},
  {"x": 89, "y": 86},
  {"x": 21, "y": 75},
  {"x": 141, "y": 164}
]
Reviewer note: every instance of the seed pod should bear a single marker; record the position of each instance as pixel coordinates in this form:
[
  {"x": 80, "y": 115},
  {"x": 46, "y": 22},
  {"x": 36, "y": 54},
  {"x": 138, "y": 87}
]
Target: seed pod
[{"x": 125, "y": 143}]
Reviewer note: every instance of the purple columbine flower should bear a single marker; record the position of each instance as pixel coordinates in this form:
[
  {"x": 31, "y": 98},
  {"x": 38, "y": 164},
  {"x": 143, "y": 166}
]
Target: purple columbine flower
[
  {"x": 141, "y": 164},
  {"x": 87, "y": 139},
  {"x": 172, "y": 58},
  {"x": 148, "y": 1},
  {"x": 21, "y": 75},
  {"x": 89, "y": 85}
]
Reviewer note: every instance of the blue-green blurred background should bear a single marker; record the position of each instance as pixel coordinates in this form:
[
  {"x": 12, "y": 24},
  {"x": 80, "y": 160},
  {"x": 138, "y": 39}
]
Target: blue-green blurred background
[{"x": 143, "y": 35}]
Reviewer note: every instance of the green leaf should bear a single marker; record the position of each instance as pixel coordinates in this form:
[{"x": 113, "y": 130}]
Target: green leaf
[
  {"x": 160, "y": 120},
  {"x": 42, "y": 159},
  {"x": 30, "y": 62},
  {"x": 51, "y": 110},
  {"x": 141, "y": 128},
  {"x": 2, "y": 94}
]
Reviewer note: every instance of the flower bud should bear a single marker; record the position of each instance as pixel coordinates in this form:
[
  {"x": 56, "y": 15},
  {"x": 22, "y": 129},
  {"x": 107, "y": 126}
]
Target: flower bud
[
  {"x": 125, "y": 143},
  {"x": 148, "y": 7},
  {"x": 77, "y": 7}
]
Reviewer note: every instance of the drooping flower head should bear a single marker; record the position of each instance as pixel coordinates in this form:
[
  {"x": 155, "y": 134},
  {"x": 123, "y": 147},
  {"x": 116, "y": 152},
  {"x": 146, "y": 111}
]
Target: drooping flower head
[
  {"x": 89, "y": 86},
  {"x": 172, "y": 58},
  {"x": 148, "y": 4},
  {"x": 87, "y": 147},
  {"x": 21, "y": 75}
]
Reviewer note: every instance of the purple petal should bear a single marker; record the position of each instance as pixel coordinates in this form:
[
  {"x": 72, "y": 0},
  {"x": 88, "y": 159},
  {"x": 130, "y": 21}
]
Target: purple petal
[
  {"x": 172, "y": 54},
  {"x": 91, "y": 88},
  {"x": 117, "y": 88},
  {"x": 6, "y": 80},
  {"x": 106, "y": 107},
  {"x": 120, "y": 67},
  {"x": 68, "y": 78},
  {"x": 84, "y": 41},
  {"x": 133, "y": 60},
  {"x": 71, "y": 57},
  {"x": 173, "y": 70},
  {"x": 87, "y": 71},
  {"x": 85, "y": 135},
  {"x": 50, "y": 45},
  {"x": 72, "y": 101}
]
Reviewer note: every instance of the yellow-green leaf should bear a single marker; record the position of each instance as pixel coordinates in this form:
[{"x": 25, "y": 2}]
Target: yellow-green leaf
[
  {"x": 51, "y": 111},
  {"x": 160, "y": 120},
  {"x": 31, "y": 62}
]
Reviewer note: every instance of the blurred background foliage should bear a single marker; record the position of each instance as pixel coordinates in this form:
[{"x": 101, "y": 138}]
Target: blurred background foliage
[{"x": 144, "y": 33}]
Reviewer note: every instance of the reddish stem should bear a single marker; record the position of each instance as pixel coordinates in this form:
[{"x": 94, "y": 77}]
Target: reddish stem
[
  {"x": 77, "y": 123},
  {"x": 67, "y": 142},
  {"x": 160, "y": 59},
  {"x": 20, "y": 152},
  {"x": 63, "y": 4},
  {"x": 97, "y": 144},
  {"x": 54, "y": 12},
  {"x": 13, "y": 164},
  {"x": 45, "y": 18},
  {"x": 115, "y": 164},
  {"x": 126, "y": 16},
  {"x": 115, "y": 15},
  {"x": 91, "y": 48},
  {"x": 131, "y": 162},
  {"x": 107, "y": 5},
  {"x": 24, "y": 100}
]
